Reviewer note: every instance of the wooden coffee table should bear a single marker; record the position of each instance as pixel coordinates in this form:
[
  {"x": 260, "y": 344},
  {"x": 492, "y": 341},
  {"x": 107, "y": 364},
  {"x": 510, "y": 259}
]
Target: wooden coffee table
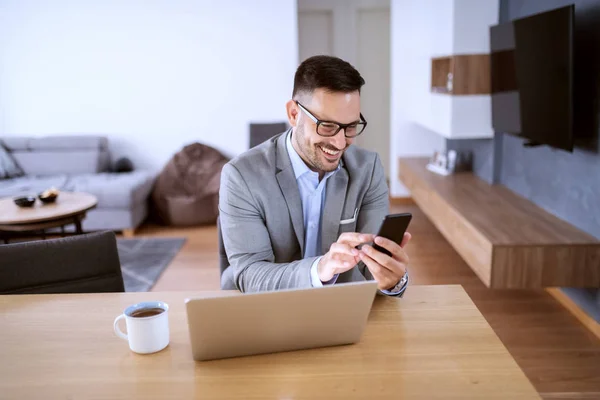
[{"x": 69, "y": 208}]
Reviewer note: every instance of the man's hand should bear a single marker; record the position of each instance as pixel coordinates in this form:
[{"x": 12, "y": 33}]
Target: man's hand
[
  {"x": 386, "y": 270},
  {"x": 342, "y": 255}
]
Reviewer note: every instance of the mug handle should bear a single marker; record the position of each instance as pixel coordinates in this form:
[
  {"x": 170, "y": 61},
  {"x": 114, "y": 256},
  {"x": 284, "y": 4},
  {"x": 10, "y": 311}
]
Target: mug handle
[{"x": 118, "y": 330}]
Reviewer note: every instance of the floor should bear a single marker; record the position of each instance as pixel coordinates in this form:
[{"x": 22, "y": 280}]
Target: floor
[{"x": 558, "y": 354}]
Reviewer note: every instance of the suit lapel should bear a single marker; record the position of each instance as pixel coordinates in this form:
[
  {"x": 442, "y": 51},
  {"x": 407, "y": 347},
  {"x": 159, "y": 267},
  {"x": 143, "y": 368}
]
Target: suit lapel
[
  {"x": 335, "y": 198},
  {"x": 287, "y": 182}
]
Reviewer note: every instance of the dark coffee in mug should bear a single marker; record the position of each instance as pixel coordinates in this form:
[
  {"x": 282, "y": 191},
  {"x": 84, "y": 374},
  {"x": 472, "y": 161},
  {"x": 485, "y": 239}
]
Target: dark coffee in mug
[{"x": 146, "y": 312}]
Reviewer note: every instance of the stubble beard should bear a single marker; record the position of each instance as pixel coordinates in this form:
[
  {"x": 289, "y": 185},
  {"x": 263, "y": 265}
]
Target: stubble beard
[{"x": 313, "y": 154}]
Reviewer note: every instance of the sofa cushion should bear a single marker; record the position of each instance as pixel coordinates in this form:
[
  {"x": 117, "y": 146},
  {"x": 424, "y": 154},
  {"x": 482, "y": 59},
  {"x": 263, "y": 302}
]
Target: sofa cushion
[
  {"x": 9, "y": 168},
  {"x": 59, "y": 154},
  {"x": 30, "y": 185},
  {"x": 122, "y": 190},
  {"x": 74, "y": 142},
  {"x": 60, "y": 162},
  {"x": 68, "y": 143},
  {"x": 117, "y": 191},
  {"x": 15, "y": 143}
]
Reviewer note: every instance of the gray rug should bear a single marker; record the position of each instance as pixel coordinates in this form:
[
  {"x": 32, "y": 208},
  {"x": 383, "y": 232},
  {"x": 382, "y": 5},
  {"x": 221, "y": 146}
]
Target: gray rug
[{"x": 143, "y": 260}]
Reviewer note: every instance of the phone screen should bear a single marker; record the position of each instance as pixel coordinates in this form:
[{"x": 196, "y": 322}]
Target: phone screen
[{"x": 393, "y": 227}]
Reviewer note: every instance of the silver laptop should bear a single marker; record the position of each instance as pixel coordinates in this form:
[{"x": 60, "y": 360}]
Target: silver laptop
[{"x": 237, "y": 324}]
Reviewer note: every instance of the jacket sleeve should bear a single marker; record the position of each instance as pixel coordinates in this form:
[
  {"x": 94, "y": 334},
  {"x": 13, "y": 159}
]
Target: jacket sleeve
[
  {"x": 247, "y": 242},
  {"x": 374, "y": 208}
]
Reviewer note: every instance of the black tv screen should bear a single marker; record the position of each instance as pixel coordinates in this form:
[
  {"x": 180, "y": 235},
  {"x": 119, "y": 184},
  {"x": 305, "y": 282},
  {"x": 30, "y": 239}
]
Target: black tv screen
[{"x": 532, "y": 77}]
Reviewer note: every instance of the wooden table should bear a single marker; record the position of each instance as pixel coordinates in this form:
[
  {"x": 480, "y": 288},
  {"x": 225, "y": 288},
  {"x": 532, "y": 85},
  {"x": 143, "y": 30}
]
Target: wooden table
[
  {"x": 69, "y": 208},
  {"x": 431, "y": 344}
]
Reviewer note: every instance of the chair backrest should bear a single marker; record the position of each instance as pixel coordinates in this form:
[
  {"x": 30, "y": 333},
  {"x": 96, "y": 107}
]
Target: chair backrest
[
  {"x": 262, "y": 132},
  {"x": 77, "y": 264}
]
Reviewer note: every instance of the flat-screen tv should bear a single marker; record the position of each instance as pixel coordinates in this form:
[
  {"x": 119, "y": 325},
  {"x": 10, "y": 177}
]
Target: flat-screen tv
[{"x": 532, "y": 77}]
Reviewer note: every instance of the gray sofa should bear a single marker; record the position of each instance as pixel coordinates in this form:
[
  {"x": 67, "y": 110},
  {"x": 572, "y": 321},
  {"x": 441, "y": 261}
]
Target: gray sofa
[{"x": 82, "y": 164}]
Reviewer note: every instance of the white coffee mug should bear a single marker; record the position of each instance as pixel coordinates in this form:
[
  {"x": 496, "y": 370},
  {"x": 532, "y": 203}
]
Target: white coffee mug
[{"x": 147, "y": 326}]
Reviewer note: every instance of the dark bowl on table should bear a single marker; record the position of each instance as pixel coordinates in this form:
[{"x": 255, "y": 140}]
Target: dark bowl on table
[
  {"x": 47, "y": 199},
  {"x": 24, "y": 201}
]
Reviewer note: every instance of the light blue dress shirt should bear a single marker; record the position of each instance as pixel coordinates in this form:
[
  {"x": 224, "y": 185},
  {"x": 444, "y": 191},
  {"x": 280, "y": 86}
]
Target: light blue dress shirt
[{"x": 312, "y": 194}]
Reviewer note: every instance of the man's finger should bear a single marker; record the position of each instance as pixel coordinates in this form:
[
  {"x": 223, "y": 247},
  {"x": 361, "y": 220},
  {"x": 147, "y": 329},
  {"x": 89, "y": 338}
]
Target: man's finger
[
  {"x": 344, "y": 257},
  {"x": 343, "y": 248},
  {"x": 384, "y": 277},
  {"x": 405, "y": 239},
  {"x": 354, "y": 238},
  {"x": 394, "y": 266},
  {"x": 396, "y": 250}
]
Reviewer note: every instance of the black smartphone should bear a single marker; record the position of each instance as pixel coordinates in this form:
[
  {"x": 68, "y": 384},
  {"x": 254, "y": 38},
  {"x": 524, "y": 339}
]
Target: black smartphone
[{"x": 393, "y": 227}]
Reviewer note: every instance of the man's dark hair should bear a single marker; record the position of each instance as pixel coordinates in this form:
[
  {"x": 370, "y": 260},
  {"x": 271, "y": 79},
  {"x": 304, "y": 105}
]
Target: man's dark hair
[{"x": 330, "y": 73}]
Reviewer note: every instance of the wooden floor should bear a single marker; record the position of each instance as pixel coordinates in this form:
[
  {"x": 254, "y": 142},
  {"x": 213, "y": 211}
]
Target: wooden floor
[{"x": 558, "y": 354}]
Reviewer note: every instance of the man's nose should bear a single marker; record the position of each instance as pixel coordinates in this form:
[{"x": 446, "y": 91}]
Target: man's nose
[{"x": 339, "y": 140}]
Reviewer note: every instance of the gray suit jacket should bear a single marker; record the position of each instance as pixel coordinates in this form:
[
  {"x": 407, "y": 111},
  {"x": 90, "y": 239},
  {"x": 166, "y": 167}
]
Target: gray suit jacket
[{"x": 262, "y": 222}]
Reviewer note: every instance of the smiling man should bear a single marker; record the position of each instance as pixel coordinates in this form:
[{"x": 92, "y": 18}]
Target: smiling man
[{"x": 293, "y": 209}]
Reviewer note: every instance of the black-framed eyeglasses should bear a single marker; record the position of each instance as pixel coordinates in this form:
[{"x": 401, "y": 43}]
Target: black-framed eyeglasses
[{"x": 331, "y": 128}]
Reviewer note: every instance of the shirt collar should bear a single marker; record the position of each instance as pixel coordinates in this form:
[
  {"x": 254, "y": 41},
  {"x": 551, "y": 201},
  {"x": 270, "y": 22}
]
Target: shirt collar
[{"x": 298, "y": 165}]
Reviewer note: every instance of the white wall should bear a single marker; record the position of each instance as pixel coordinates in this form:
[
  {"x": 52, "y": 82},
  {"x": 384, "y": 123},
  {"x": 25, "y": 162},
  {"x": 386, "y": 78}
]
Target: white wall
[
  {"x": 153, "y": 75},
  {"x": 472, "y": 20},
  {"x": 412, "y": 43}
]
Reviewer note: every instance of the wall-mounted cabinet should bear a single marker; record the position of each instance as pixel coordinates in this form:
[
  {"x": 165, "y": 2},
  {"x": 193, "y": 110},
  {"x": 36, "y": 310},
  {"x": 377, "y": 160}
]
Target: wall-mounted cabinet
[{"x": 461, "y": 75}]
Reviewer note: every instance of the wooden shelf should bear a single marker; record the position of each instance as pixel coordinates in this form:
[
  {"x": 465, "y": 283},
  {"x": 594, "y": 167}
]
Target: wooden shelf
[
  {"x": 508, "y": 241},
  {"x": 440, "y": 68},
  {"x": 470, "y": 74}
]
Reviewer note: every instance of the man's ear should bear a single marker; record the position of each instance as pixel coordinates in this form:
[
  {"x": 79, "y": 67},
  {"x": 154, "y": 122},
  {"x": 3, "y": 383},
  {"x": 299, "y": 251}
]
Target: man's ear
[{"x": 293, "y": 113}]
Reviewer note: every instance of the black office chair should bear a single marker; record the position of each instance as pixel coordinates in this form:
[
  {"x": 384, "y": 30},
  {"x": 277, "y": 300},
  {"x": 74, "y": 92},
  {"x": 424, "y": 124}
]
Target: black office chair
[
  {"x": 77, "y": 264},
  {"x": 262, "y": 132}
]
